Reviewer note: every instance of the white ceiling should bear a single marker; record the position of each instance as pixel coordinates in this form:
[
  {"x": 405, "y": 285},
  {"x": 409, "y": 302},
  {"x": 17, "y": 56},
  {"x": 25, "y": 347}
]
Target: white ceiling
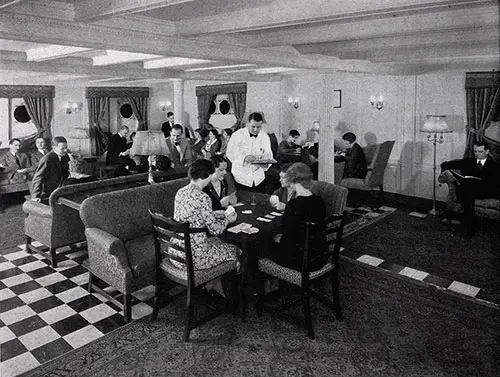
[{"x": 148, "y": 41}]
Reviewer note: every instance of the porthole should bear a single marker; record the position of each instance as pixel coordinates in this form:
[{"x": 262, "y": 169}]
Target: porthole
[
  {"x": 126, "y": 111},
  {"x": 21, "y": 114}
]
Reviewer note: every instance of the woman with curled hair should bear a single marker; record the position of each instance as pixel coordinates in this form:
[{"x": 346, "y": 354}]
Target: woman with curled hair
[
  {"x": 225, "y": 136},
  {"x": 304, "y": 207},
  {"x": 212, "y": 145},
  {"x": 221, "y": 189},
  {"x": 200, "y": 134},
  {"x": 193, "y": 205}
]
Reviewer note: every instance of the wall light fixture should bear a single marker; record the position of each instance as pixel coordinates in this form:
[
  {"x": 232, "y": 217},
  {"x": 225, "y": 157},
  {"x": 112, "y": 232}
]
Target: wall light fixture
[
  {"x": 377, "y": 102},
  {"x": 294, "y": 102}
]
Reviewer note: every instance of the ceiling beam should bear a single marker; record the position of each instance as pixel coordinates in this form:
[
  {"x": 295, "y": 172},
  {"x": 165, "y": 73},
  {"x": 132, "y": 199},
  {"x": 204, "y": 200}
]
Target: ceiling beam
[
  {"x": 8, "y": 3},
  {"x": 438, "y": 22},
  {"x": 285, "y": 13},
  {"x": 12, "y": 26},
  {"x": 91, "y": 10},
  {"x": 129, "y": 71}
]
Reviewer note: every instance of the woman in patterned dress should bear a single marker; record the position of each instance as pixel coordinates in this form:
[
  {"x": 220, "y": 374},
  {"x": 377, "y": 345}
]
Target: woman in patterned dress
[{"x": 193, "y": 205}]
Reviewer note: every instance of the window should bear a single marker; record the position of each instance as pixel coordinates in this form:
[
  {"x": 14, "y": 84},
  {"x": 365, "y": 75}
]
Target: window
[{"x": 14, "y": 120}]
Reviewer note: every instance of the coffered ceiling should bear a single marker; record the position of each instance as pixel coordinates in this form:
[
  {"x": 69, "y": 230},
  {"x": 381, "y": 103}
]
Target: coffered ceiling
[{"x": 147, "y": 41}]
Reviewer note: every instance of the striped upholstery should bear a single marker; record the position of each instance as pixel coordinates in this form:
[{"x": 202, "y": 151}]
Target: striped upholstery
[{"x": 179, "y": 275}]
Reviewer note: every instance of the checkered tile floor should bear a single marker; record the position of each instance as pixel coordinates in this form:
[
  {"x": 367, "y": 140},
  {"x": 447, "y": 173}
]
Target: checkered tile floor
[{"x": 45, "y": 312}]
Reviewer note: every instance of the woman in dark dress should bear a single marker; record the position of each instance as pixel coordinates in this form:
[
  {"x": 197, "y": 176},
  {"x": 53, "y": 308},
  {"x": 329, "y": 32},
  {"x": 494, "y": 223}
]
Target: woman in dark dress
[
  {"x": 221, "y": 189},
  {"x": 305, "y": 207},
  {"x": 199, "y": 142}
]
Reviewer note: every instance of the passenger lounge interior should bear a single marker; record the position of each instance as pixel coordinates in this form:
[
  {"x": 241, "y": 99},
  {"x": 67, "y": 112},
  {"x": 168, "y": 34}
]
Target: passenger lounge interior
[{"x": 91, "y": 282}]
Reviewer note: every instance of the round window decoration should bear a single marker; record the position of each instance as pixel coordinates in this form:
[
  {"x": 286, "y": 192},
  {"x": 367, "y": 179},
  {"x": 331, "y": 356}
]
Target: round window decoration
[
  {"x": 211, "y": 109},
  {"x": 224, "y": 107},
  {"x": 126, "y": 111},
  {"x": 21, "y": 114}
]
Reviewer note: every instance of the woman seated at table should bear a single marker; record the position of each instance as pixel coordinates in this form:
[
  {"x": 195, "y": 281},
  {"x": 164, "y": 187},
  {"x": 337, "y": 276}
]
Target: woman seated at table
[
  {"x": 212, "y": 145},
  {"x": 193, "y": 205},
  {"x": 285, "y": 193},
  {"x": 305, "y": 207},
  {"x": 200, "y": 134},
  {"x": 221, "y": 188}
]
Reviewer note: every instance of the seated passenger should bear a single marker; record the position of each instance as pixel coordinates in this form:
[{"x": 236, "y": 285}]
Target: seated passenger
[
  {"x": 163, "y": 163},
  {"x": 212, "y": 145},
  {"x": 119, "y": 153},
  {"x": 76, "y": 174},
  {"x": 40, "y": 151},
  {"x": 226, "y": 135},
  {"x": 290, "y": 144},
  {"x": 355, "y": 160},
  {"x": 305, "y": 207},
  {"x": 180, "y": 152},
  {"x": 200, "y": 134},
  {"x": 221, "y": 188},
  {"x": 285, "y": 193},
  {"x": 15, "y": 163},
  {"x": 193, "y": 205}
]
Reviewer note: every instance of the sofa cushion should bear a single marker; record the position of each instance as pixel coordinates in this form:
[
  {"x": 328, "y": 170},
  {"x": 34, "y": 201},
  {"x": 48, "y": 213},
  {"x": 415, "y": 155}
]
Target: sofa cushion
[
  {"x": 490, "y": 203},
  {"x": 141, "y": 254}
]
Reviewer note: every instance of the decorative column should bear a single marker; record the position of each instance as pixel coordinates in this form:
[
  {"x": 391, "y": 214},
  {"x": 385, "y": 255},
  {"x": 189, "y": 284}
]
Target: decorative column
[
  {"x": 326, "y": 131},
  {"x": 178, "y": 100}
]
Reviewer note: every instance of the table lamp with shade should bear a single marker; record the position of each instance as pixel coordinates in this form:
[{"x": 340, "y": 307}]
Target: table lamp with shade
[
  {"x": 434, "y": 125},
  {"x": 149, "y": 143},
  {"x": 79, "y": 134}
]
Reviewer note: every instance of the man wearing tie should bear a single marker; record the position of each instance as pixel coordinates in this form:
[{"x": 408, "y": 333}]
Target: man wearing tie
[
  {"x": 14, "y": 163},
  {"x": 52, "y": 170},
  {"x": 486, "y": 183},
  {"x": 180, "y": 154},
  {"x": 244, "y": 149},
  {"x": 168, "y": 125},
  {"x": 40, "y": 151},
  {"x": 119, "y": 153}
]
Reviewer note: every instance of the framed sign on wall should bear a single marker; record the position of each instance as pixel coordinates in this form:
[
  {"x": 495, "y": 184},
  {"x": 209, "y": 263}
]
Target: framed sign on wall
[{"x": 337, "y": 99}]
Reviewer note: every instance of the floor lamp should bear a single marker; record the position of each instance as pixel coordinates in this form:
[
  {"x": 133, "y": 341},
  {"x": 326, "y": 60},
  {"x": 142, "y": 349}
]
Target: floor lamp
[
  {"x": 149, "y": 143},
  {"x": 434, "y": 125}
]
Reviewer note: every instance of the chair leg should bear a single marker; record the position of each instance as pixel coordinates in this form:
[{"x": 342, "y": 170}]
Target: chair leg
[
  {"x": 190, "y": 312},
  {"x": 90, "y": 282},
  {"x": 307, "y": 314},
  {"x": 127, "y": 307},
  {"x": 53, "y": 256},
  {"x": 156, "y": 302},
  {"x": 334, "y": 277},
  {"x": 28, "y": 242},
  {"x": 236, "y": 288},
  {"x": 260, "y": 294}
]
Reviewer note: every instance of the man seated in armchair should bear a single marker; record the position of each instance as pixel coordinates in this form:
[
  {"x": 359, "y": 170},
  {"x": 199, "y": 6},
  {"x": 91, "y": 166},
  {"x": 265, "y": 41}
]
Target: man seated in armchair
[
  {"x": 15, "y": 163},
  {"x": 479, "y": 178}
]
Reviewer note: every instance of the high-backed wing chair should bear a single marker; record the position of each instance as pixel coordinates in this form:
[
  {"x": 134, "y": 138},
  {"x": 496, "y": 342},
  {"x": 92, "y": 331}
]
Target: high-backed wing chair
[
  {"x": 334, "y": 196},
  {"x": 375, "y": 177}
]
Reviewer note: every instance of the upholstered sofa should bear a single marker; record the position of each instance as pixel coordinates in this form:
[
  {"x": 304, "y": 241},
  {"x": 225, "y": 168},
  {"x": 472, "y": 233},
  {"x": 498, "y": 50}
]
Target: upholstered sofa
[
  {"x": 56, "y": 225},
  {"x": 487, "y": 208},
  {"x": 119, "y": 235}
]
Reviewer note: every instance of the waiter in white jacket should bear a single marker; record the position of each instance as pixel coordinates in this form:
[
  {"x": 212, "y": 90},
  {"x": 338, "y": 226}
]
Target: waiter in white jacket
[{"x": 245, "y": 148}]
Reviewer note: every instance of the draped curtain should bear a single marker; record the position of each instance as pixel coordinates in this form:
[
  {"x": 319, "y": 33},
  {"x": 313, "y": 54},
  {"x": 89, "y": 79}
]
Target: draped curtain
[
  {"x": 40, "y": 110},
  {"x": 140, "y": 109},
  {"x": 204, "y": 102},
  {"x": 238, "y": 102},
  {"x": 483, "y": 107},
  {"x": 98, "y": 106},
  {"x": 237, "y": 94}
]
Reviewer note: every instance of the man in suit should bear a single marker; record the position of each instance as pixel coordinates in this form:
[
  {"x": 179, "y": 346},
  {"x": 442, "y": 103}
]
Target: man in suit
[
  {"x": 52, "y": 170},
  {"x": 168, "y": 125},
  {"x": 355, "y": 160},
  {"x": 40, "y": 151},
  {"x": 486, "y": 186},
  {"x": 180, "y": 154},
  {"x": 119, "y": 152},
  {"x": 14, "y": 163}
]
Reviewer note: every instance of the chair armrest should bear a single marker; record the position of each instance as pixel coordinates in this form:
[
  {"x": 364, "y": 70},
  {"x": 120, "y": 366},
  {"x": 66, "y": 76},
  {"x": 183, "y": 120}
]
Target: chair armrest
[{"x": 37, "y": 209}]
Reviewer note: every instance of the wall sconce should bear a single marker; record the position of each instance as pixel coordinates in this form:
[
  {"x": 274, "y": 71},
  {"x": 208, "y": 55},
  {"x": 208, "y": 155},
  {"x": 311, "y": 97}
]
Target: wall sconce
[
  {"x": 73, "y": 107},
  {"x": 164, "y": 106},
  {"x": 295, "y": 103},
  {"x": 377, "y": 103}
]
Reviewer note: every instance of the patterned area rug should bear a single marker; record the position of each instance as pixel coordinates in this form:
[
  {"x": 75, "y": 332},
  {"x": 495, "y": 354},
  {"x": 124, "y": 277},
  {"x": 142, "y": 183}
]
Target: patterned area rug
[
  {"x": 432, "y": 246},
  {"x": 12, "y": 226},
  {"x": 360, "y": 217},
  {"x": 382, "y": 334}
]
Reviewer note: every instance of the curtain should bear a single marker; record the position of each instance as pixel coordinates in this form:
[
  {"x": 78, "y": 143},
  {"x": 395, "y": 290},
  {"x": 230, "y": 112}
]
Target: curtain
[
  {"x": 204, "y": 101},
  {"x": 483, "y": 111},
  {"x": 40, "y": 110},
  {"x": 483, "y": 106},
  {"x": 98, "y": 106},
  {"x": 140, "y": 109},
  {"x": 238, "y": 102}
]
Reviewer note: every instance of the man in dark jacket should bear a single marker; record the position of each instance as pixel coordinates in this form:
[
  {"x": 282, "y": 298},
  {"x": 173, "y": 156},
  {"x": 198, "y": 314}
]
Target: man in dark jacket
[
  {"x": 355, "y": 160},
  {"x": 479, "y": 178},
  {"x": 52, "y": 170},
  {"x": 119, "y": 152}
]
